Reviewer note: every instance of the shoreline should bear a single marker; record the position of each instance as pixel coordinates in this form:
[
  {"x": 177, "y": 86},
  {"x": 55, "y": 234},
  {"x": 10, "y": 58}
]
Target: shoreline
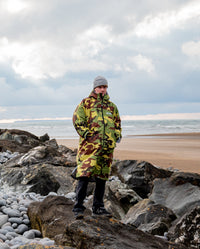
[{"x": 176, "y": 150}]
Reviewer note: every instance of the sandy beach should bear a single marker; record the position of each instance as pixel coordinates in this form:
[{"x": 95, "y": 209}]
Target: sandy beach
[{"x": 180, "y": 151}]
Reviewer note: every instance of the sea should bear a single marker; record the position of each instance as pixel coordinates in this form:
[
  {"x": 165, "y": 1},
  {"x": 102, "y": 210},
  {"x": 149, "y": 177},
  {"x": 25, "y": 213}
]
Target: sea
[{"x": 63, "y": 129}]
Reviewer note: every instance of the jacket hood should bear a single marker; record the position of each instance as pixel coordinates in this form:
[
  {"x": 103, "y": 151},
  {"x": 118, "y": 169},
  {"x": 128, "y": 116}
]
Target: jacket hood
[{"x": 98, "y": 96}]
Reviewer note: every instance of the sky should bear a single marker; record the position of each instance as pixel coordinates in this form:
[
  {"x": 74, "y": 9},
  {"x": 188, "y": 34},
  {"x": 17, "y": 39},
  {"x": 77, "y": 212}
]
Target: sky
[{"x": 51, "y": 51}]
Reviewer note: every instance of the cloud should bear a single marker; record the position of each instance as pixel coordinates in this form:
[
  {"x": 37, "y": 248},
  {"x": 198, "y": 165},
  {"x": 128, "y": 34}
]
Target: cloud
[
  {"x": 42, "y": 60},
  {"x": 192, "y": 50},
  {"x": 14, "y": 6},
  {"x": 143, "y": 63},
  {"x": 163, "y": 23}
]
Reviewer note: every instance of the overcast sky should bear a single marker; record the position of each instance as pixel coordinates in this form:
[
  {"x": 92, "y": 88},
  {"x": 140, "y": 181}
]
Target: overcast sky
[{"x": 51, "y": 50}]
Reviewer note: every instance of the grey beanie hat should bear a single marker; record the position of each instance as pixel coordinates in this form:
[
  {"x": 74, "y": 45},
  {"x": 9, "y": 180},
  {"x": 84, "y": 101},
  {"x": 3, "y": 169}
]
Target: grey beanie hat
[{"x": 100, "y": 81}]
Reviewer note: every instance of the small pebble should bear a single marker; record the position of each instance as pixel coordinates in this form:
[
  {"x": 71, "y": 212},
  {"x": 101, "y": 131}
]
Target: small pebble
[
  {"x": 22, "y": 228},
  {"x": 8, "y": 228},
  {"x": 14, "y": 225},
  {"x": 3, "y": 237},
  {"x": 2, "y": 231},
  {"x": 29, "y": 234},
  {"x": 15, "y": 220},
  {"x": 3, "y": 219},
  {"x": 2, "y": 202},
  {"x": 26, "y": 221}
]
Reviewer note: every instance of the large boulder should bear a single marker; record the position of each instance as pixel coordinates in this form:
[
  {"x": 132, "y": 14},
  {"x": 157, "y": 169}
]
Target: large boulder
[
  {"x": 54, "y": 218},
  {"x": 150, "y": 217},
  {"x": 51, "y": 216},
  {"x": 40, "y": 154},
  {"x": 119, "y": 198},
  {"x": 43, "y": 169},
  {"x": 139, "y": 175},
  {"x": 179, "y": 198},
  {"x": 18, "y": 141},
  {"x": 39, "y": 178}
]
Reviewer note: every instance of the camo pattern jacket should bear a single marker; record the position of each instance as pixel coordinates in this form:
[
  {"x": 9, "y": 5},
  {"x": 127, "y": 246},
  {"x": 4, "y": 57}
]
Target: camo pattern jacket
[{"x": 97, "y": 121}]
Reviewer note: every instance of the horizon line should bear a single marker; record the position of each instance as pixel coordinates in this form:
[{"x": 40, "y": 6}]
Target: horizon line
[{"x": 160, "y": 116}]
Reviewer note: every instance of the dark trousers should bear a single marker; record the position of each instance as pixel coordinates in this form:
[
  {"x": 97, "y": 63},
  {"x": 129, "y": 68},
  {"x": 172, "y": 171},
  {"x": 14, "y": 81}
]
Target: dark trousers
[{"x": 81, "y": 192}]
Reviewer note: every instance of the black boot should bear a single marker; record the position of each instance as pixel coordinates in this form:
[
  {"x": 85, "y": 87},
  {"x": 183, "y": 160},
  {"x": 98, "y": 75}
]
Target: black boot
[
  {"x": 98, "y": 204},
  {"x": 81, "y": 192}
]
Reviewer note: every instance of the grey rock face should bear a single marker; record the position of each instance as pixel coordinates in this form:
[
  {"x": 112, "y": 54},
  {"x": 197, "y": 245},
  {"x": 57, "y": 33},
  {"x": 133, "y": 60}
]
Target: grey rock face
[
  {"x": 139, "y": 176},
  {"x": 179, "y": 199},
  {"x": 119, "y": 198},
  {"x": 150, "y": 217}
]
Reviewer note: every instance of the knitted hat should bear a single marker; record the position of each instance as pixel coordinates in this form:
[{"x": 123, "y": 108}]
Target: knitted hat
[{"x": 100, "y": 81}]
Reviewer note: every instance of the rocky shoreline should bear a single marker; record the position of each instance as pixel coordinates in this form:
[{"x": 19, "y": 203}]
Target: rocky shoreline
[{"x": 152, "y": 207}]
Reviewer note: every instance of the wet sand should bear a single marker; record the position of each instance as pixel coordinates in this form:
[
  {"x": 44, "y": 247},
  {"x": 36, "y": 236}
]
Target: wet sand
[{"x": 180, "y": 151}]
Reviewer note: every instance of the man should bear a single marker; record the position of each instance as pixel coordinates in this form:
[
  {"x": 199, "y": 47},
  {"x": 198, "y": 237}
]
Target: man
[{"x": 97, "y": 121}]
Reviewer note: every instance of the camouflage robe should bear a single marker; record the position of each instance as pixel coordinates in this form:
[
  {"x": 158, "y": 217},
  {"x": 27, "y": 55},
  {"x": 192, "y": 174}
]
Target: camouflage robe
[{"x": 97, "y": 121}]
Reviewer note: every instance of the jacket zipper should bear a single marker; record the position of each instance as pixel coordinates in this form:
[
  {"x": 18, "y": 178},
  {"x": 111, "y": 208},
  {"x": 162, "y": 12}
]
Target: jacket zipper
[
  {"x": 103, "y": 129},
  {"x": 103, "y": 123}
]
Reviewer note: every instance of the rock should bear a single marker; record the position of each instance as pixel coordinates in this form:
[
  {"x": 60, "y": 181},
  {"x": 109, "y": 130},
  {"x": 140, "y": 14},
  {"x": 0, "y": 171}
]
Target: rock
[
  {"x": 55, "y": 220},
  {"x": 3, "y": 237},
  {"x": 41, "y": 154},
  {"x": 139, "y": 175},
  {"x": 119, "y": 198},
  {"x": 11, "y": 213},
  {"x": 6, "y": 136},
  {"x": 21, "y": 209},
  {"x": 2, "y": 231},
  {"x": 150, "y": 217},
  {"x": 4, "y": 246},
  {"x": 44, "y": 182},
  {"x": 22, "y": 228},
  {"x": 2, "y": 203},
  {"x": 179, "y": 198},
  {"x": 8, "y": 228},
  {"x": 29, "y": 234},
  {"x": 35, "y": 168},
  {"x": 13, "y": 234},
  {"x": 28, "y": 178},
  {"x": 187, "y": 229},
  {"x": 36, "y": 155},
  {"x": 68, "y": 153},
  {"x": 3, "y": 220},
  {"x": 109, "y": 233},
  {"x": 15, "y": 220},
  {"x": 17, "y": 140},
  {"x": 7, "y": 155},
  {"x": 56, "y": 209},
  {"x": 37, "y": 233},
  {"x": 26, "y": 221},
  {"x": 179, "y": 178},
  {"x": 44, "y": 138}
]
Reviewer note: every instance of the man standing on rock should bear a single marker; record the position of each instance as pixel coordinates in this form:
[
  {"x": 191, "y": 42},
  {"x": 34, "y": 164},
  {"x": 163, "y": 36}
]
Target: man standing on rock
[{"x": 96, "y": 120}]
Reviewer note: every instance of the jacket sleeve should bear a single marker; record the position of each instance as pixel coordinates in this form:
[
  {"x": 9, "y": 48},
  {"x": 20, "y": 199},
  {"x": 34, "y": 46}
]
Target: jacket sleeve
[
  {"x": 80, "y": 120},
  {"x": 117, "y": 121}
]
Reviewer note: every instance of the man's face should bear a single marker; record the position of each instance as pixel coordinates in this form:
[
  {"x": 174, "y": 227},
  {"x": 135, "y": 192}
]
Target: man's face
[{"x": 101, "y": 89}]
